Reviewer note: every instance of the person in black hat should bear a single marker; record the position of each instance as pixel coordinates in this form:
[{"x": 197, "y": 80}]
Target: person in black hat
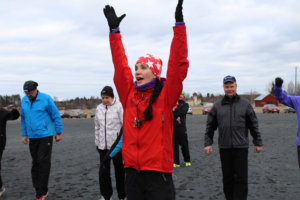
[
  {"x": 11, "y": 114},
  {"x": 233, "y": 116},
  {"x": 108, "y": 122},
  {"x": 38, "y": 115}
]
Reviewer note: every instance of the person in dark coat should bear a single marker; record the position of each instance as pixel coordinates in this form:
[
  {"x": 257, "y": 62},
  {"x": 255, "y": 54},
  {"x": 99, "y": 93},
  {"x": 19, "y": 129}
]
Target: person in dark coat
[
  {"x": 5, "y": 115},
  {"x": 180, "y": 137},
  {"x": 233, "y": 116}
]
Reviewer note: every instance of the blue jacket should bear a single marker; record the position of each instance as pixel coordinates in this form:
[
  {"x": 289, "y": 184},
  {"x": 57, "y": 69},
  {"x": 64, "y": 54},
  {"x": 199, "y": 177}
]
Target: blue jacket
[
  {"x": 38, "y": 119},
  {"x": 291, "y": 101}
]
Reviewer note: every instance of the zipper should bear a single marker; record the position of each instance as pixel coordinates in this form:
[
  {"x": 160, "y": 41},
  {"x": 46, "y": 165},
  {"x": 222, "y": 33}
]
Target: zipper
[{"x": 105, "y": 128}]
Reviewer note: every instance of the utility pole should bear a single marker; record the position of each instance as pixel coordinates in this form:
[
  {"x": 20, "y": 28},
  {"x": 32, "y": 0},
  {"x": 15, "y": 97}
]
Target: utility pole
[{"x": 296, "y": 80}]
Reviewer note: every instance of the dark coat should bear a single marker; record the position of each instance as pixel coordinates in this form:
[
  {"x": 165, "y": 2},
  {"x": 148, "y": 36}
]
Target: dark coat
[
  {"x": 233, "y": 117},
  {"x": 180, "y": 111},
  {"x": 4, "y": 116}
]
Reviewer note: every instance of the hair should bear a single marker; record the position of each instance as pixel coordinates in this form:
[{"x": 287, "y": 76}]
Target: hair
[{"x": 156, "y": 91}]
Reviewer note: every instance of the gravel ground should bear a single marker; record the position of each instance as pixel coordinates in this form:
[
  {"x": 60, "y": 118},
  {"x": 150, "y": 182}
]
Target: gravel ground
[{"x": 273, "y": 174}]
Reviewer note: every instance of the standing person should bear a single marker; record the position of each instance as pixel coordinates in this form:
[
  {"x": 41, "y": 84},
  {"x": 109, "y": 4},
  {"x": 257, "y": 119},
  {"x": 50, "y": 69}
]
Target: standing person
[
  {"x": 4, "y": 116},
  {"x": 38, "y": 115},
  {"x": 233, "y": 116},
  {"x": 108, "y": 122},
  {"x": 147, "y": 148},
  {"x": 179, "y": 132},
  {"x": 291, "y": 101}
]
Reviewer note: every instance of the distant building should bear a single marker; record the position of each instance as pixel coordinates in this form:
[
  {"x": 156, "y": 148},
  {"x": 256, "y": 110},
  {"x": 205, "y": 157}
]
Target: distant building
[{"x": 263, "y": 99}]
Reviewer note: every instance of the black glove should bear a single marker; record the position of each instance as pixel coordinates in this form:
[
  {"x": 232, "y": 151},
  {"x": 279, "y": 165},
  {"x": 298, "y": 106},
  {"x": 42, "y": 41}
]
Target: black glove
[
  {"x": 178, "y": 12},
  {"x": 112, "y": 19},
  {"x": 278, "y": 82}
]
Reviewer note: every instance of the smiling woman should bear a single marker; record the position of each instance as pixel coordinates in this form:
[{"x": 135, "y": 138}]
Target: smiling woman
[{"x": 148, "y": 119}]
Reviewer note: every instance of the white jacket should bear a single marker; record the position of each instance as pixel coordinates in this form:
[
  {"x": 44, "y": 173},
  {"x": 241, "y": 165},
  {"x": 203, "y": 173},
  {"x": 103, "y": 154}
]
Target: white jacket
[{"x": 108, "y": 122}]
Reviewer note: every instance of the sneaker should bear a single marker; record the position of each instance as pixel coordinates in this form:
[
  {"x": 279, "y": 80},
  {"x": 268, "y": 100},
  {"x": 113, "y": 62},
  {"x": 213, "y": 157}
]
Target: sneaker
[
  {"x": 187, "y": 164},
  {"x": 42, "y": 197},
  {"x": 2, "y": 190},
  {"x": 45, "y": 196},
  {"x": 102, "y": 198},
  {"x": 176, "y": 165}
]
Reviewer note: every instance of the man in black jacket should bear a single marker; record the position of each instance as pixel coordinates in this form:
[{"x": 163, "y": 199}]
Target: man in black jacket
[
  {"x": 4, "y": 116},
  {"x": 233, "y": 116},
  {"x": 179, "y": 132}
]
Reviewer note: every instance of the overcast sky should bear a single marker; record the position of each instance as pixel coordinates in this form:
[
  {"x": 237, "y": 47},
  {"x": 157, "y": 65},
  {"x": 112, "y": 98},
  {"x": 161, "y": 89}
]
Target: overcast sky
[{"x": 64, "y": 45}]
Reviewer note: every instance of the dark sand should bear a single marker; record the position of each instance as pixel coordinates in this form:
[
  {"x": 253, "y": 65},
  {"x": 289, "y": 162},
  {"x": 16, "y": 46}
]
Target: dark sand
[{"x": 273, "y": 174}]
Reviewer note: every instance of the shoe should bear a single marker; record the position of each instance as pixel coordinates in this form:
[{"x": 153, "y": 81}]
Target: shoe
[
  {"x": 176, "y": 165},
  {"x": 2, "y": 190},
  {"x": 187, "y": 164},
  {"x": 42, "y": 197},
  {"x": 102, "y": 198},
  {"x": 45, "y": 196}
]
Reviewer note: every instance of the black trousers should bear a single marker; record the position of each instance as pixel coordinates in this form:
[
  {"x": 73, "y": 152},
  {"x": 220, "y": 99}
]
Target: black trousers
[
  {"x": 40, "y": 150},
  {"x": 180, "y": 138},
  {"x": 149, "y": 185},
  {"x": 235, "y": 173},
  {"x": 1, "y": 152},
  {"x": 105, "y": 179}
]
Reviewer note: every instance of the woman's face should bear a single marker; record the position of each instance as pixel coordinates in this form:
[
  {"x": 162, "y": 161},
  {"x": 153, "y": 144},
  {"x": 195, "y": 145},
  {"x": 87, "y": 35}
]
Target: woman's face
[
  {"x": 143, "y": 74},
  {"x": 106, "y": 100}
]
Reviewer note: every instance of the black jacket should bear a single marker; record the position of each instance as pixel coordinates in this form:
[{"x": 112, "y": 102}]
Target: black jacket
[
  {"x": 180, "y": 111},
  {"x": 4, "y": 116},
  {"x": 233, "y": 117}
]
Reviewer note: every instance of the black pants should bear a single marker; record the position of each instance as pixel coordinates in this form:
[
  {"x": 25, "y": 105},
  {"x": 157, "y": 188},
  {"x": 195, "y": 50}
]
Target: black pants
[
  {"x": 1, "y": 152},
  {"x": 180, "y": 138},
  {"x": 40, "y": 150},
  {"x": 149, "y": 185},
  {"x": 105, "y": 179},
  {"x": 235, "y": 173}
]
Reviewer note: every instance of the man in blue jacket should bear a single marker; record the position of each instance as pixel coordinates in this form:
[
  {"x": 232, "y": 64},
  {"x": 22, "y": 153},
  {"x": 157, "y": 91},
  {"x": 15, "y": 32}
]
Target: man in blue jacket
[
  {"x": 38, "y": 114},
  {"x": 291, "y": 101}
]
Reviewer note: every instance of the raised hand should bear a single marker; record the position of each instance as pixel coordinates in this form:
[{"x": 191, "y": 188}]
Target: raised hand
[
  {"x": 278, "y": 82},
  {"x": 178, "y": 12},
  {"x": 112, "y": 19}
]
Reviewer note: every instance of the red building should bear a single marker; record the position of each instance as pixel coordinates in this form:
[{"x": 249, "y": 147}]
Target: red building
[{"x": 261, "y": 100}]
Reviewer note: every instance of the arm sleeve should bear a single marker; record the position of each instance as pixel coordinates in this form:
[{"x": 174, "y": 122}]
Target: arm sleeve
[
  {"x": 252, "y": 124},
  {"x": 117, "y": 148},
  {"x": 23, "y": 123},
  {"x": 13, "y": 114},
  {"x": 97, "y": 128},
  {"x": 177, "y": 65},
  {"x": 291, "y": 101},
  {"x": 55, "y": 116},
  {"x": 123, "y": 77},
  {"x": 211, "y": 126}
]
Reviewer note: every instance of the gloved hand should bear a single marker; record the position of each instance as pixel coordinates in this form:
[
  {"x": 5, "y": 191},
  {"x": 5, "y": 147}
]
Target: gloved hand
[
  {"x": 112, "y": 19},
  {"x": 278, "y": 82},
  {"x": 178, "y": 12}
]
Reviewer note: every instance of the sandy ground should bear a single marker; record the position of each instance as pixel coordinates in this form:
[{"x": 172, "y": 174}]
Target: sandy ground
[{"x": 273, "y": 174}]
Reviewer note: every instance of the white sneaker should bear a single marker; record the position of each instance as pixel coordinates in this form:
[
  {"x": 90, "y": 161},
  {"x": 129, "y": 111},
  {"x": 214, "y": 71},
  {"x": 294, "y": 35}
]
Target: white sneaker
[
  {"x": 2, "y": 190},
  {"x": 102, "y": 198}
]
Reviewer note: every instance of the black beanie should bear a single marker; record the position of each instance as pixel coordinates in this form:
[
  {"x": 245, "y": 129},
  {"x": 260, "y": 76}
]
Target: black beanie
[
  {"x": 107, "y": 90},
  {"x": 29, "y": 86}
]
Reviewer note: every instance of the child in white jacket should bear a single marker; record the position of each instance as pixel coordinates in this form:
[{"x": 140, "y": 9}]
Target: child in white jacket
[{"x": 108, "y": 122}]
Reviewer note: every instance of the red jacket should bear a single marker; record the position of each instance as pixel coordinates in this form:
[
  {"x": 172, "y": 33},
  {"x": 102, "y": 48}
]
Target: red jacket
[{"x": 150, "y": 146}]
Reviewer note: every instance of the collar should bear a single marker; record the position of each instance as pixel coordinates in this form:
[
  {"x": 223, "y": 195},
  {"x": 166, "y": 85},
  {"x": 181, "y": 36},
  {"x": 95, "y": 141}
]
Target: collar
[
  {"x": 227, "y": 100},
  {"x": 113, "y": 102},
  {"x": 145, "y": 86}
]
